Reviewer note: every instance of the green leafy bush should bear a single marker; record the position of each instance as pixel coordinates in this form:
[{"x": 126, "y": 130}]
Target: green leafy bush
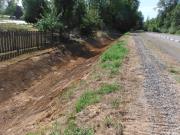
[
  {"x": 172, "y": 30},
  {"x": 178, "y": 32},
  {"x": 90, "y": 22},
  {"x": 50, "y": 21},
  {"x": 164, "y": 30}
]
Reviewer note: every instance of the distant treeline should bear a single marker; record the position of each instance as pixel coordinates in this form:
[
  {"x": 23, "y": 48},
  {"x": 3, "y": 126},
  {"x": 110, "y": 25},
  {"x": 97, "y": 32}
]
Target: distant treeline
[
  {"x": 168, "y": 19},
  {"x": 83, "y": 15}
]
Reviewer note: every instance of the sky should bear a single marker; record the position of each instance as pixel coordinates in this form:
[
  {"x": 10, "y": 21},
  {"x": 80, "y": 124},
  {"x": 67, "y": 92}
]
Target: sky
[{"x": 148, "y": 8}]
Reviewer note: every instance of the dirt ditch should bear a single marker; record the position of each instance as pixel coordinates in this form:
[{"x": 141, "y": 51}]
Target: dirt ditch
[{"x": 28, "y": 86}]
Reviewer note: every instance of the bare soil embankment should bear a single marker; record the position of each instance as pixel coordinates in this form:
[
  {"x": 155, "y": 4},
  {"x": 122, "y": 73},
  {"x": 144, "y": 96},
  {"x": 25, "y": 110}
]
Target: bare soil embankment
[{"x": 29, "y": 83}]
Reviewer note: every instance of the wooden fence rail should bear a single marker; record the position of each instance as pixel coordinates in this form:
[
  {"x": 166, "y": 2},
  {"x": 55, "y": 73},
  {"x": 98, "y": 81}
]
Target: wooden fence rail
[{"x": 13, "y": 43}]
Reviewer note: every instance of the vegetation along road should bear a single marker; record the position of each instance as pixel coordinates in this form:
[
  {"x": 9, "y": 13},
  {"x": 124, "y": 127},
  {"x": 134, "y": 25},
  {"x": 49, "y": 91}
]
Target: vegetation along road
[
  {"x": 156, "y": 107},
  {"x": 71, "y": 67}
]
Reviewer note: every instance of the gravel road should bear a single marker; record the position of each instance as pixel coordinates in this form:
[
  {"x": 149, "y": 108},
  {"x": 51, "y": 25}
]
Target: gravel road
[
  {"x": 158, "y": 103},
  {"x": 170, "y": 47},
  {"x": 174, "y": 38}
]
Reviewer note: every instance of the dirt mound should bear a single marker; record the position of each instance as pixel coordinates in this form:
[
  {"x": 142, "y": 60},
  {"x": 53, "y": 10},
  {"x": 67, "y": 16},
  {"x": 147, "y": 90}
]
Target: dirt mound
[{"x": 28, "y": 86}]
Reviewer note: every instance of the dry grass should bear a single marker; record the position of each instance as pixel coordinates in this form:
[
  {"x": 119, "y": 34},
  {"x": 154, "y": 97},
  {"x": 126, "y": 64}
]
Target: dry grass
[{"x": 17, "y": 27}]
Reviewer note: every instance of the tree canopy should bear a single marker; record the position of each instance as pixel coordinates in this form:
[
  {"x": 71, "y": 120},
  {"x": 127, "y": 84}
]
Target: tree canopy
[
  {"x": 33, "y": 9},
  {"x": 168, "y": 19},
  {"x": 86, "y": 15}
]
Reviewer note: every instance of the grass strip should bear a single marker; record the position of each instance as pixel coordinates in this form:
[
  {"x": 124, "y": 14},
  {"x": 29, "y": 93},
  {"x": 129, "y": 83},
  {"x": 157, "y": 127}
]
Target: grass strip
[
  {"x": 113, "y": 58},
  {"x": 92, "y": 97}
]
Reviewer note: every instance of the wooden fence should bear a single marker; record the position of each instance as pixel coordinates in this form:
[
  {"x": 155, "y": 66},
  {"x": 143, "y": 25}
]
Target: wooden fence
[{"x": 13, "y": 43}]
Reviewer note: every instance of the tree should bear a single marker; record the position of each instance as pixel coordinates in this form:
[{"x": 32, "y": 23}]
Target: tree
[
  {"x": 10, "y": 9},
  {"x": 18, "y": 13},
  {"x": 65, "y": 7},
  {"x": 34, "y": 9},
  {"x": 50, "y": 20},
  {"x": 168, "y": 19},
  {"x": 2, "y": 6},
  {"x": 89, "y": 15}
]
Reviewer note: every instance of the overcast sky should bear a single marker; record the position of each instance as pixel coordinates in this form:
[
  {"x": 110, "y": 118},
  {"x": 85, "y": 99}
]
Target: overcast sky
[{"x": 147, "y": 8}]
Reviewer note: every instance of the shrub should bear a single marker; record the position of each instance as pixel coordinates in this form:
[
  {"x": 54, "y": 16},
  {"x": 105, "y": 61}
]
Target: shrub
[
  {"x": 90, "y": 22},
  {"x": 172, "y": 30},
  {"x": 50, "y": 21},
  {"x": 164, "y": 30},
  {"x": 178, "y": 32}
]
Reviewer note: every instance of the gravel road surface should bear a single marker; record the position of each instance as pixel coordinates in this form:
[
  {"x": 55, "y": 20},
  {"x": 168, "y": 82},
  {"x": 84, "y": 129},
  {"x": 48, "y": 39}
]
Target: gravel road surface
[
  {"x": 169, "y": 47},
  {"x": 158, "y": 103},
  {"x": 174, "y": 38}
]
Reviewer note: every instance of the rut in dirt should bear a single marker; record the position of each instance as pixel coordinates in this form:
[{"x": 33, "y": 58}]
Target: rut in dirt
[{"x": 162, "y": 106}]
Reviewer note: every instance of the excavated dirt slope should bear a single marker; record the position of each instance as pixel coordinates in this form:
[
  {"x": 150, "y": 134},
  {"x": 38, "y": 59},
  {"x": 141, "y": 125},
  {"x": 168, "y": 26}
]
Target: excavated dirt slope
[{"x": 29, "y": 83}]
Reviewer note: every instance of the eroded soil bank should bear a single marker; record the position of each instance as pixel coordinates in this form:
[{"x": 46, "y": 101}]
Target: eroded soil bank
[{"x": 30, "y": 83}]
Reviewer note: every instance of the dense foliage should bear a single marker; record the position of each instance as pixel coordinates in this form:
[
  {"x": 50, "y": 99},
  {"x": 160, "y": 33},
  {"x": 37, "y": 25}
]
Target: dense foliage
[
  {"x": 33, "y": 9},
  {"x": 50, "y": 20},
  {"x": 11, "y": 8},
  {"x": 168, "y": 19},
  {"x": 81, "y": 15},
  {"x": 89, "y": 15}
]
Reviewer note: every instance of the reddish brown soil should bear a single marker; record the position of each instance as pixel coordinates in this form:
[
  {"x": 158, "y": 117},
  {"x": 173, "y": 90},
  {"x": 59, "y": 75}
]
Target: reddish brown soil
[{"x": 29, "y": 84}]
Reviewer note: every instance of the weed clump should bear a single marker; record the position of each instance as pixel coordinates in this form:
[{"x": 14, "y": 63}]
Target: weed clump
[{"x": 113, "y": 58}]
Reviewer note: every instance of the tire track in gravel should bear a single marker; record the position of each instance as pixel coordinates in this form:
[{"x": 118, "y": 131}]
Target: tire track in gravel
[{"x": 161, "y": 97}]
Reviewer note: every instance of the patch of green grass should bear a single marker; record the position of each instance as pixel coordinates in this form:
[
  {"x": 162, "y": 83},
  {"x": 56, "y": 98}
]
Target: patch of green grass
[
  {"x": 108, "y": 88},
  {"x": 73, "y": 129},
  {"x": 92, "y": 97},
  {"x": 113, "y": 58},
  {"x": 174, "y": 71},
  {"x": 86, "y": 99}
]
